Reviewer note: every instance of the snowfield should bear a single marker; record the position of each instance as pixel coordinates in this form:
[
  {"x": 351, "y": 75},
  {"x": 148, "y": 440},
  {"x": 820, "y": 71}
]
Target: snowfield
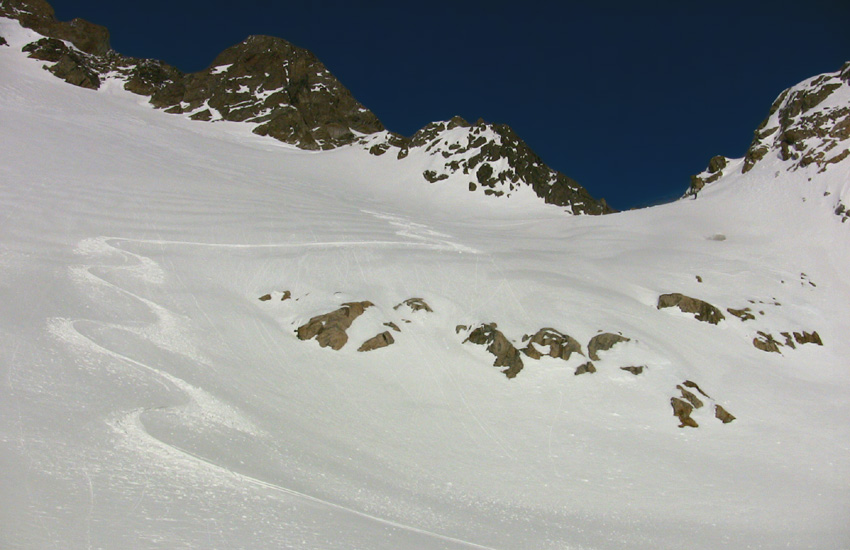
[{"x": 149, "y": 399}]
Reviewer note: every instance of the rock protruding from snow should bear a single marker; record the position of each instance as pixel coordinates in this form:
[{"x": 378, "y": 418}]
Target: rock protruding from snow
[
  {"x": 687, "y": 402},
  {"x": 487, "y": 158},
  {"x": 329, "y": 329},
  {"x": 415, "y": 304},
  {"x": 506, "y": 354},
  {"x": 703, "y": 311},
  {"x": 381, "y": 340},
  {"x": 283, "y": 89},
  {"x": 603, "y": 342},
  {"x": 560, "y": 345},
  {"x": 586, "y": 368},
  {"x": 39, "y": 16}
]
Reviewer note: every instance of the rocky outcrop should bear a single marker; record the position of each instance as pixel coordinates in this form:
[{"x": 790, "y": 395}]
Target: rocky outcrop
[
  {"x": 723, "y": 415},
  {"x": 381, "y": 340},
  {"x": 561, "y": 346},
  {"x": 506, "y": 354},
  {"x": 39, "y": 16},
  {"x": 586, "y": 368},
  {"x": 603, "y": 342},
  {"x": 703, "y": 310},
  {"x": 687, "y": 402},
  {"x": 265, "y": 297},
  {"x": 490, "y": 159},
  {"x": 682, "y": 409},
  {"x": 329, "y": 329},
  {"x": 634, "y": 370},
  {"x": 742, "y": 314},
  {"x": 767, "y": 342},
  {"x": 415, "y": 304},
  {"x": 3, "y": 41},
  {"x": 285, "y": 90},
  {"x": 714, "y": 172}
]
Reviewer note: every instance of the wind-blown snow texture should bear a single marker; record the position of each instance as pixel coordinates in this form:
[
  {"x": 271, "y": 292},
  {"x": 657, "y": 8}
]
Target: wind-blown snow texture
[{"x": 150, "y": 400}]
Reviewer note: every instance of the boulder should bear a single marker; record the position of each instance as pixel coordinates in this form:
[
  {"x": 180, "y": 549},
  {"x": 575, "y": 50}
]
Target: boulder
[
  {"x": 633, "y": 370},
  {"x": 329, "y": 329},
  {"x": 560, "y": 345},
  {"x": 265, "y": 297},
  {"x": 683, "y": 410},
  {"x": 381, "y": 340},
  {"x": 506, "y": 354},
  {"x": 602, "y": 342},
  {"x": 585, "y": 368},
  {"x": 704, "y": 311},
  {"x": 416, "y": 304},
  {"x": 722, "y": 414}
]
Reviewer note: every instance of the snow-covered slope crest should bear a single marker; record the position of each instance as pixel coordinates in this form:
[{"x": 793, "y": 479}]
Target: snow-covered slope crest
[
  {"x": 808, "y": 125},
  {"x": 483, "y": 157}
]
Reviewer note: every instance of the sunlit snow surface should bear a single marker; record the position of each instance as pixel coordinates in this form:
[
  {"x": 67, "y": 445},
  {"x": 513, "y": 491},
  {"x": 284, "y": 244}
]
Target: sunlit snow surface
[{"x": 150, "y": 400}]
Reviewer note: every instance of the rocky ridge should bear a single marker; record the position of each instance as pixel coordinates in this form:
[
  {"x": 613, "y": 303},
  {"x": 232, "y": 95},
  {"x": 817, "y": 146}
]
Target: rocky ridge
[
  {"x": 808, "y": 124},
  {"x": 288, "y": 94}
]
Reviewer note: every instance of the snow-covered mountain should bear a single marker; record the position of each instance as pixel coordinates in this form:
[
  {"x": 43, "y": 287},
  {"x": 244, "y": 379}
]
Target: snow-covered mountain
[
  {"x": 285, "y": 92},
  {"x": 202, "y": 345}
]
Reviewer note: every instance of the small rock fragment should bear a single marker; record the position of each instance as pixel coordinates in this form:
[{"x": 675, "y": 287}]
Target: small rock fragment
[
  {"x": 585, "y": 368},
  {"x": 381, "y": 340}
]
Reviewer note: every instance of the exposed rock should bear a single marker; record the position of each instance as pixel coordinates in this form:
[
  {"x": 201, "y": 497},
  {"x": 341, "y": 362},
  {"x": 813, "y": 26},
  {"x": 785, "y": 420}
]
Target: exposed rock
[
  {"x": 704, "y": 311},
  {"x": 329, "y": 329},
  {"x": 505, "y": 352},
  {"x": 416, "y": 304},
  {"x": 683, "y": 410},
  {"x": 265, "y": 297},
  {"x": 561, "y": 346},
  {"x": 808, "y": 338},
  {"x": 461, "y": 328},
  {"x": 3, "y": 41},
  {"x": 634, "y": 370},
  {"x": 766, "y": 342},
  {"x": 498, "y": 160},
  {"x": 699, "y": 279},
  {"x": 603, "y": 342},
  {"x": 286, "y": 296},
  {"x": 693, "y": 385},
  {"x": 722, "y": 414},
  {"x": 789, "y": 341},
  {"x": 690, "y": 397},
  {"x": 585, "y": 368},
  {"x": 392, "y": 325},
  {"x": 742, "y": 314},
  {"x": 532, "y": 352},
  {"x": 39, "y": 16},
  {"x": 381, "y": 340},
  {"x": 69, "y": 65}
]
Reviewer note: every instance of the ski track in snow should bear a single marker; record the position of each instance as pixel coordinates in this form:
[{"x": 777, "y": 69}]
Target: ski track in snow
[{"x": 200, "y": 405}]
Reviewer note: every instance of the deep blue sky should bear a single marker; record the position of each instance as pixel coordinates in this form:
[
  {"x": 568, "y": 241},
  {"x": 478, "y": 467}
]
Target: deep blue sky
[{"x": 630, "y": 101}]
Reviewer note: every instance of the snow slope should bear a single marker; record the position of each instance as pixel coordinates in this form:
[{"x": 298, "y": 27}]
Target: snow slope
[{"x": 150, "y": 400}]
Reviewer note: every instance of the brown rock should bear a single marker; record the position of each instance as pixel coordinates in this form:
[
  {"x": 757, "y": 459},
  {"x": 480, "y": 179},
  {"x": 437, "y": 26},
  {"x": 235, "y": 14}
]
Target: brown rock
[
  {"x": 416, "y": 304},
  {"x": 506, "y": 354},
  {"x": 766, "y": 342},
  {"x": 382, "y": 340},
  {"x": 633, "y": 370},
  {"x": 265, "y": 297},
  {"x": 690, "y": 397},
  {"x": 560, "y": 345},
  {"x": 742, "y": 314},
  {"x": 808, "y": 338},
  {"x": 329, "y": 329},
  {"x": 683, "y": 410},
  {"x": 722, "y": 414},
  {"x": 602, "y": 342},
  {"x": 392, "y": 326},
  {"x": 585, "y": 368},
  {"x": 704, "y": 311}
]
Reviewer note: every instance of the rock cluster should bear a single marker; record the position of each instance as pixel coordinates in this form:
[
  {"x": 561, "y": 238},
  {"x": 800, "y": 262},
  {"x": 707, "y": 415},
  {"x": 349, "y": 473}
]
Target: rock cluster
[
  {"x": 329, "y": 329},
  {"x": 506, "y": 354},
  {"x": 684, "y": 405},
  {"x": 704, "y": 311},
  {"x": 767, "y": 342}
]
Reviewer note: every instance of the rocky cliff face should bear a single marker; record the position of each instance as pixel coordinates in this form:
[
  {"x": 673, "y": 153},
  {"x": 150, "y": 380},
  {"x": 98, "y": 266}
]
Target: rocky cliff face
[
  {"x": 808, "y": 124},
  {"x": 489, "y": 159},
  {"x": 288, "y": 94}
]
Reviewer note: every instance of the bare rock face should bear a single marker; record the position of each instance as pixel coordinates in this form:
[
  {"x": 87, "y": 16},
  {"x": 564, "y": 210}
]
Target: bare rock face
[
  {"x": 69, "y": 65},
  {"x": 415, "y": 304},
  {"x": 381, "y": 340},
  {"x": 808, "y": 338},
  {"x": 742, "y": 314},
  {"x": 39, "y": 16},
  {"x": 286, "y": 90},
  {"x": 634, "y": 370},
  {"x": 585, "y": 369},
  {"x": 603, "y": 342},
  {"x": 683, "y": 410},
  {"x": 329, "y": 329},
  {"x": 560, "y": 345},
  {"x": 766, "y": 341},
  {"x": 722, "y": 414},
  {"x": 490, "y": 159},
  {"x": 704, "y": 311},
  {"x": 506, "y": 354}
]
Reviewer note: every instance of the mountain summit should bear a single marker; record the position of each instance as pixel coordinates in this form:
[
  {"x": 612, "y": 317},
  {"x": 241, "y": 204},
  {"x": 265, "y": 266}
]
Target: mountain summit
[{"x": 286, "y": 93}]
